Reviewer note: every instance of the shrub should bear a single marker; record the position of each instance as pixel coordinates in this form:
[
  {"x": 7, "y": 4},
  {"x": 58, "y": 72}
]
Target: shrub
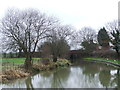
[
  {"x": 45, "y": 61},
  {"x": 62, "y": 62}
]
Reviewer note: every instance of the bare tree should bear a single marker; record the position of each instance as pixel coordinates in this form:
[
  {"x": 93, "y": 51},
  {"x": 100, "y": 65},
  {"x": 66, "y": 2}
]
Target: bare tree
[
  {"x": 24, "y": 29},
  {"x": 114, "y": 33},
  {"x": 86, "y": 34},
  {"x": 112, "y": 26},
  {"x": 116, "y": 41},
  {"x": 59, "y": 40},
  {"x": 86, "y": 39},
  {"x": 44, "y": 49}
]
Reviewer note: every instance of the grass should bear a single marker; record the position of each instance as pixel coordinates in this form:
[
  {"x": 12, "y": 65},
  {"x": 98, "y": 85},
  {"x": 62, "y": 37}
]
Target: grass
[
  {"x": 13, "y": 63},
  {"x": 16, "y": 60},
  {"x": 104, "y": 59},
  {"x": 16, "y": 63}
]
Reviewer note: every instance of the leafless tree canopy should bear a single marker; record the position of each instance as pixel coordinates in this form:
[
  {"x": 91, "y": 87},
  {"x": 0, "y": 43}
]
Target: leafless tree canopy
[
  {"x": 24, "y": 29},
  {"x": 59, "y": 40},
  {"x": 112, "y": 26},
  {"x": 86, "y": 34}
]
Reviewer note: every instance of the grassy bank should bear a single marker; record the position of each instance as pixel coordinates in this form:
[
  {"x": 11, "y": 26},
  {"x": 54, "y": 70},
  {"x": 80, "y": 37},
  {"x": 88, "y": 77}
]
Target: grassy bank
[
  {"x": 49, "y": 65},
  {"x": 17, "y": 60},
  {"x": 14, "y": 63},
  {"x": 43, "y": 65},
  {"x": 105, "y": 59}
]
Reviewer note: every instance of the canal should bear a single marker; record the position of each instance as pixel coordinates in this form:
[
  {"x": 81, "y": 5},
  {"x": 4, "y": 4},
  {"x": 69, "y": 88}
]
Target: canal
[{"x": 83, "y": 74}]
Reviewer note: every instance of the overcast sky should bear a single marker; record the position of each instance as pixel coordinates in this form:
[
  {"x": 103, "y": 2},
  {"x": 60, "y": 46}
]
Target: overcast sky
[{"x": 79, "y": 13}]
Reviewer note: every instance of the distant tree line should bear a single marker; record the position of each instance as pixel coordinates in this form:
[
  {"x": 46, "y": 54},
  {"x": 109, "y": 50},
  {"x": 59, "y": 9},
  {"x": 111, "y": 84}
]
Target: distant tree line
[
  {"x": 29, "y": 31},
  {"x": 107, "y": 36}
]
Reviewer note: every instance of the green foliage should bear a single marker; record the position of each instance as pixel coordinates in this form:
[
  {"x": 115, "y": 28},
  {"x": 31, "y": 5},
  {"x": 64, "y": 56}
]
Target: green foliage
[
  {"x": 51, "y": 65},
  {"x": 58, "y": 48},
  {"x": 103, "y": 37},
  {"x": 63, "y": 48},
  {"x": 4, "y": 55},
  {"x": 62, "y": 62},
  {"x": 104, "y": 59},
  {"x": 89, "y": 46},
  {"x": 8, "y": 55},
  {"x": 11, "y": 55},
  {"x": 116, "y": 41}
]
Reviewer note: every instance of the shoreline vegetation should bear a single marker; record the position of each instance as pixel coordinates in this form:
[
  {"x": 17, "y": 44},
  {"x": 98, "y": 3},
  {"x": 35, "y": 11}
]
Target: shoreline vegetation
[
  {"x": 105, "y": 60},
  {"x": 43, "y": 65}
]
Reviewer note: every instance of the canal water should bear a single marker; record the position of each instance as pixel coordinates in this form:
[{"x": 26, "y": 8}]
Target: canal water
[{"x": 84, "y": 74}]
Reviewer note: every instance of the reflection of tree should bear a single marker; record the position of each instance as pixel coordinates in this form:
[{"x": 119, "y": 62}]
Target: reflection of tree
[
  {"x": 54, "y": 78},
  {"x": 46, "y": 74},
  {"x": 90, "y": 68},
  {"x": 116, "y": 80},
  {"x": 60, "y": 77},
  {"x": 105, "y": 77},
  {"x": 118, "y": 76},
  {"x": 118, "y": 73},
  {"x": 90, "y": 72},
  {"x": 29, "y": 85}
]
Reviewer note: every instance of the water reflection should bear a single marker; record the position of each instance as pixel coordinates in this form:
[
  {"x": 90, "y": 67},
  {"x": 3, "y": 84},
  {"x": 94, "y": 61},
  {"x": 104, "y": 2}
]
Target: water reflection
[
  {"x": 118, "y": 78},
  {"x": 29, "y": 84},
  {"x": 60, "y": 77},
  {"x": 104, "y": 77},
  {"x": 82, "y": 75}
]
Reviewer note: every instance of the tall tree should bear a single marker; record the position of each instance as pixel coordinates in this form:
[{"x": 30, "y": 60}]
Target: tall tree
[
  {"x": 103, "y": 38},
  {"x": 89, "y": 46},
  {"x": 24, "y": 29},
  {"x": 59, "y": 48},
  {"x": 44, "y": 49},
  {"x": 111, "y": 26},
  {"x": 87, "y": 38},
  {"x": 86, "y": 34},
  {"x": 114, "y": 32},
  {"x": 116, "y": 41},
  {"x": 59, "y": 40}
]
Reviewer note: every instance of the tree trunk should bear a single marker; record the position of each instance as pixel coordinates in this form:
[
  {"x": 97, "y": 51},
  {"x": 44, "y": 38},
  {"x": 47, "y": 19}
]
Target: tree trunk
[
  {"x": 28, "y": 64},
  {"x": 54, "y": 58}
]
